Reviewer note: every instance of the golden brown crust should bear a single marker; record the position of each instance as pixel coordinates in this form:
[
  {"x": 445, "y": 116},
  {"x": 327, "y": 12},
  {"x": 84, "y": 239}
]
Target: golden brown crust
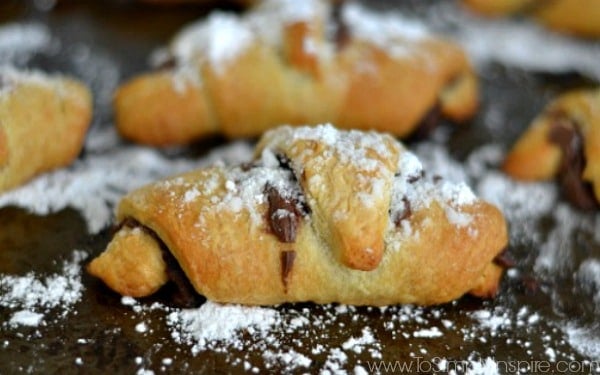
[
  {"x": 578, "y": 17},
  {"x": 306, "y": 79},
  {"x": 43, "y": 122},
  {"x": 123, "y": 257},
  {"x": 536, "y": 157},
  {"x": 229, "y": 253}
]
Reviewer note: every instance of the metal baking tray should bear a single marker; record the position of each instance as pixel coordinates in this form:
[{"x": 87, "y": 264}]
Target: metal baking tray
[{"x": 544, "y": 318}]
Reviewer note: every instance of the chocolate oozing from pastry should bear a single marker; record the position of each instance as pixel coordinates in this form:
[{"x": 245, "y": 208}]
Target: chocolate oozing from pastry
[
  {"x": 287, "y": 263},
  {"x": 184, "y": 294},
  {"x": 565, "y": 134},
  {"x": 430, "y": 121},
  {"x": 283, "y": 214},
  {"x": 404, "y": 214},
  {"x": 505, "y": 260},
  {"x": 341, "y": 32}
]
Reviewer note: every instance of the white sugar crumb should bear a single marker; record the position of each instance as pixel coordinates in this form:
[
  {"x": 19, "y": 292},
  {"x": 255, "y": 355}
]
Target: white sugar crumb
[
  {"x": 36, "y": 295},
  {"x": 141, "y": 327},
  {"x": 358, "y": 344},
  {"x": 287, "y": 359},
  {"x": 432, "y": 332},
  {"x": 26, "y": 318}
]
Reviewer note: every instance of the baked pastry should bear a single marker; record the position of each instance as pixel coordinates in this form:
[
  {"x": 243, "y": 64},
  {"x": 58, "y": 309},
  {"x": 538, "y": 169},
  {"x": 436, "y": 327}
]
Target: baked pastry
[
  {"x": 579, "y": 17},
  {"x": 564, "y": 142},
  {"x": 320, "y": 215},
  {"x": 296, "y": 62},
  {"x": 43, "y": 122}
]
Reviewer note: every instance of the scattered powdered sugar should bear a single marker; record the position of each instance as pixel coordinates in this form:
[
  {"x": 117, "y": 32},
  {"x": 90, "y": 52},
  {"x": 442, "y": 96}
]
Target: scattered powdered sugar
[
  {"x": 26, "y": 318},
  {"x": 414, "y": 189},
  {"x": 95, "y": 183},
  {"x": 222, "y": 37},
  {"x": 20, "y": 41},
  {"x": 391, "y": 31},
  {"x": 518, "y": 42},
  {"x": 11, "y": 77},
  {"x": 585, "y": 339},
  {"x": 213, "y": 323},
  {"x": 36, "y": 296}
]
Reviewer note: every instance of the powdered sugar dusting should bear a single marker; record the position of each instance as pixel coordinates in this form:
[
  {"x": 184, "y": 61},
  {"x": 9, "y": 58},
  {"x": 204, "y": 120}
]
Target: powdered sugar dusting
[
  {"x": 222, "y": 37},
  {"x": 517, "y": 42},
  {"x": 36, "y": 296},
  {"x": 94, "y": 184},
  {"x": 20, "y": 41},
  {"x": 11, "y": 77},
  {"x": 213, "y": 323},
  {"x": 392, "y": 32}
]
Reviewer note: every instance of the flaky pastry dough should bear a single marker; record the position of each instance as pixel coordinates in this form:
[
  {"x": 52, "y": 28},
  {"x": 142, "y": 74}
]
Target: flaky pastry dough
[
  {"x": 43, "y": 122},
  {"x": 579, "y": 17},
  {"x": 568, "y": 126},
  {"x": 320, "y": 215},
  {"x": 296, "y": 62}
]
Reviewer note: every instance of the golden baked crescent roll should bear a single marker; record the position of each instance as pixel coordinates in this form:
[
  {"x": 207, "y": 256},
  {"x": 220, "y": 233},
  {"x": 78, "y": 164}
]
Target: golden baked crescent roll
[
  {"x": 43, "y": 122},
  {"x": 296, "y": 62},
  {"x": 563, "y": 141},
  {"x": 579, "y": 17},
  {"x": 319, "y": 215}
]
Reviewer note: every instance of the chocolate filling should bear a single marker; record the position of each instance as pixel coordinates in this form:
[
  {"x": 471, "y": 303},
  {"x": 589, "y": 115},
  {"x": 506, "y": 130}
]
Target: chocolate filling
[
  {"x": 287, "y": 263},
  {"x": 565, "y": 134},
  {"x": 283, "y": 215},
  {"x": 184, "y": 294},
  {"x": 341, "y": 32},
  {"x": 429, "y": 122},
  {"x": 504, "y": 259},
  {"x": 404, "y": 214}
]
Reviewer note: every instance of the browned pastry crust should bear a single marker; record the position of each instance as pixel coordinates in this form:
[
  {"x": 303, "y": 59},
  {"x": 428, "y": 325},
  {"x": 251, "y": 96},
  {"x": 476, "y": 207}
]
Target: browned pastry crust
[
  {"x": 579, "y": 17},
  {"x": 320, "y": 215},
  {"x": 563, "y": 140},
  {"x": 241, "y": 75},
  {"x": 43, "y": 122}
]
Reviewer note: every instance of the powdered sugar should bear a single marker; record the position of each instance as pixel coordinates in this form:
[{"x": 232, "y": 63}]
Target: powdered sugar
[
  {"x": 20, "y": 41},
  {"x": 36, "y": 296},
  {"x": 222, "y": 37},
  {"x": 95, "y": 183},
  {"x": 10, "y": 77},
  {"x": 392, "y": 32},
  {"x": 212, "y": 323},
  {"x": 517, "y": 42}
]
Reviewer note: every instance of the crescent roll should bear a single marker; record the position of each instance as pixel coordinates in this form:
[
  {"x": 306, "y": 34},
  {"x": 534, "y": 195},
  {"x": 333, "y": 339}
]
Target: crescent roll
[
  {"x": 43, "y": 122},
  {"x": 579, "y": 17},
  {"x": 319, "y": 215},
  {"x": 296, "y": 62},
  {"x": 563, "y": 142}
]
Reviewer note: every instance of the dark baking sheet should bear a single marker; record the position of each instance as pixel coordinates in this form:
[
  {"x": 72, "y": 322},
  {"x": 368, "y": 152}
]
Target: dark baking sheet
[{"x": 100, "y": 335}]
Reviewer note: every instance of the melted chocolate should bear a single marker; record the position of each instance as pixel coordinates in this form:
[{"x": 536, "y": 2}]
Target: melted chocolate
[
  {"x": 287, "y": 263},
  {"x": 405, "y": 213},
  {"x": 184, "y": 294},
  {"x": 504, "y": 259},
  {"x": 283, "y": 215},
  {"x": 565, "y": 134},
  {"x": 341, "y": 33},
  {"x": 428, "y": 123}
]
